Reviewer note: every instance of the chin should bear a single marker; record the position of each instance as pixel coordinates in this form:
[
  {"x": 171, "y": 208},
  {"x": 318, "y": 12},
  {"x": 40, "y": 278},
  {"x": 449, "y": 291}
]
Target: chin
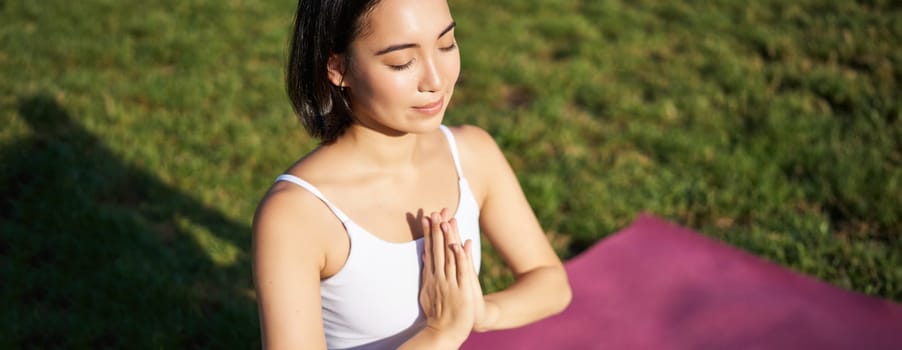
[
  {"x": 425, "y": 126},
  {"x": 411, "y": 123},
  {"x": 419, "y": 124}
]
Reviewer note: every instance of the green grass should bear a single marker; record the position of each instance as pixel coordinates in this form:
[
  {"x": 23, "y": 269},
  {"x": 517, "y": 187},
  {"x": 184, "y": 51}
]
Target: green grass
[{"x": 137, "y": 140}]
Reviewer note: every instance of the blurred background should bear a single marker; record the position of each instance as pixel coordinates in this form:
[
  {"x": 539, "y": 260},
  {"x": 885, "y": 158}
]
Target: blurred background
[{"x": 138, "y": 137}]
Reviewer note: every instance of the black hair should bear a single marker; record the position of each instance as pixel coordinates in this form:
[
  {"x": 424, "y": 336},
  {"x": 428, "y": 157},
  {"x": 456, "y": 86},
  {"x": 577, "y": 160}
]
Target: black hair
[{"x": 322, "y": 28}]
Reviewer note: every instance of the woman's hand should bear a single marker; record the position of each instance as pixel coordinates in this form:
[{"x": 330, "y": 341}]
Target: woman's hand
[
  {"x": 481, "y": 317},
  {"x": 449, "y": 281}
]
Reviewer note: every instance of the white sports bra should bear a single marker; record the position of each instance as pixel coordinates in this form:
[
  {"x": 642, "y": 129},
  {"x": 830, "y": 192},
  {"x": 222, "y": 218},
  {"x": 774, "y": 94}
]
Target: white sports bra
[{"x": 373, "y": 301}]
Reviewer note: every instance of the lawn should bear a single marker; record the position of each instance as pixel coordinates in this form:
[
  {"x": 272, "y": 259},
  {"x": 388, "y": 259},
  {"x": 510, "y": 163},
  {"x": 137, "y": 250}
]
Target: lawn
[{"x": 138, "y": 138}]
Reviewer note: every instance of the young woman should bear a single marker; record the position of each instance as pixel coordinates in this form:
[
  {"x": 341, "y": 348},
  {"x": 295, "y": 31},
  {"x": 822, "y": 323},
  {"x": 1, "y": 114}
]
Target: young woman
[{"x": 372, "y": 240}]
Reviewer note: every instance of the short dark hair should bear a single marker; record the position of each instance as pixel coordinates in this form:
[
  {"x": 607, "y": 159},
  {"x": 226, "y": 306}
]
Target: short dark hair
[{"x": 322, "y": 28}]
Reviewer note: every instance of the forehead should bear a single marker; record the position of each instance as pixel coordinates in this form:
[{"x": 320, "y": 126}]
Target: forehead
[{"x": 406, "y": 20}]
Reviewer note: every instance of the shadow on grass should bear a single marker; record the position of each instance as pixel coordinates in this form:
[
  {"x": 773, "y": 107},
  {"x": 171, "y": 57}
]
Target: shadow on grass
[{"x": 97, "y": 253}]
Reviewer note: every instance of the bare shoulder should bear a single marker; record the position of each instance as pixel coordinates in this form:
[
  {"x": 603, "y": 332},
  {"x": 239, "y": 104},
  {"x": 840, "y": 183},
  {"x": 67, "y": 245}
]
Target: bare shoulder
[
  {"x": 289, "y": 256},
  {"x": 480, "y": 157},
  {"x": 288, "y": 204},
  {"x": 290, "y": 210},
  {"x": 471, "y": 138},
  {"x": 292, "y": 217},
  {"x": 478, "y": 148}
]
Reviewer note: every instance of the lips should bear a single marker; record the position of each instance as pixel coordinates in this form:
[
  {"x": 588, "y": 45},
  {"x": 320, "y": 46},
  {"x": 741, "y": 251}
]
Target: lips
[{"x": 431, "y": 108}]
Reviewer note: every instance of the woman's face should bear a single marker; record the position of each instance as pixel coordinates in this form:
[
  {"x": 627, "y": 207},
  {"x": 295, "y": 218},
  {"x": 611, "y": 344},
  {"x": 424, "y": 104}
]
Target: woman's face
[{"x": 403, "y": 67}]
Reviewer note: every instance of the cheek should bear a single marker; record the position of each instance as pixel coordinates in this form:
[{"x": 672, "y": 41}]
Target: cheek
[
  {"x": 451, "y": 68},
  {"x": 379, "y": 88},
  {"x": 390, "y": 88}
]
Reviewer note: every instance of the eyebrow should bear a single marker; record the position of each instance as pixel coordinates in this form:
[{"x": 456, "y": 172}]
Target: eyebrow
[{"x": 407, "y": 46}]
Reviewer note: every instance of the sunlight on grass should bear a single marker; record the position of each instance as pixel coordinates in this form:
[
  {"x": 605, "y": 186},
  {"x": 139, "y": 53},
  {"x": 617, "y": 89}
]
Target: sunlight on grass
[{"x": 221, "y": 252}]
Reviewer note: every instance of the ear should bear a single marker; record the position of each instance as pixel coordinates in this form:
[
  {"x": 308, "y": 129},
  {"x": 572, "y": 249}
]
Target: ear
[{"x": 337, "y": 69}]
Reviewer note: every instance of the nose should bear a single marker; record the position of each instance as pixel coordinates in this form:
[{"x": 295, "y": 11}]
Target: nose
[{"x": 431, "y": 79}]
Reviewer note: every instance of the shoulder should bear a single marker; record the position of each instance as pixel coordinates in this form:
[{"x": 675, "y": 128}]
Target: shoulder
[
  {"x": 472, "y": 138},
  {"x": 288, "y": 260},
  {"x": 293, "y": 218},
  {"x": 286, "y": 202},
  {"x": 477, "y": 147},
  {"x": 481, "y": 158}
]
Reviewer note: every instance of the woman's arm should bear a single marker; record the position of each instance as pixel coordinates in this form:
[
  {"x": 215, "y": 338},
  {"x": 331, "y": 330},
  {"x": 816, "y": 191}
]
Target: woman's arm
[
  {"x": 287, "y": 264},
  {"x": 507, "y": 221}
]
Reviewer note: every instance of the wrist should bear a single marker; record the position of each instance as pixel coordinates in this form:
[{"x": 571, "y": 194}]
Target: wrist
[
  {"x": 442, "y": 340},
  {"x": 490, "y": 317}
]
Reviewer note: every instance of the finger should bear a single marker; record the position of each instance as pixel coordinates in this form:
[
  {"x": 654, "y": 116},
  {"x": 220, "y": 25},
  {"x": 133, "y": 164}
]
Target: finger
[
  {"x": 451, "y": 262},
  {"x": 472, "y": 275},
  {"x": 468, "y": 248},
  {"x": 450, "y": 236},
  {"x": 464, "y": 271},
  {"x": 455, "y": 231},
  {"x": 446, "y": 214},
  {"x": 438, "y": 244},
  {"x": 428, "y": 265}
]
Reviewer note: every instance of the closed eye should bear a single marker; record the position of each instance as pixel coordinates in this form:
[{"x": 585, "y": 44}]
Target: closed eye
[
  {"x": 449, "y": 47},
  {"x": 402, "y": 66}
]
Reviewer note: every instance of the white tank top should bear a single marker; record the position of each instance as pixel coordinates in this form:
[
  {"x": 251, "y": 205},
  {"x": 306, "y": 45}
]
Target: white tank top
[{"x": 373, "y": 301}]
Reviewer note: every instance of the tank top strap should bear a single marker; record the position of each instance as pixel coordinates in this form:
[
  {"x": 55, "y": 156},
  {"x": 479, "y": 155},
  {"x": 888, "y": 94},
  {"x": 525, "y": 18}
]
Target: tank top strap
[
  {"x": 312, "y": 189},
  {"x": 453, "y": 145}
]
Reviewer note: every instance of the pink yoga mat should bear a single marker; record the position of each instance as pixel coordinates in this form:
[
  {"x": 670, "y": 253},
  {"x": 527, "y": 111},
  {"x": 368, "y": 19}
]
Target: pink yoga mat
[{"x": 655, "y": 285}]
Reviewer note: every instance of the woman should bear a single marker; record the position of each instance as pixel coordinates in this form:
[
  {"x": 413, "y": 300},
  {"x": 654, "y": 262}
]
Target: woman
[{"x": 345, "y": 254}]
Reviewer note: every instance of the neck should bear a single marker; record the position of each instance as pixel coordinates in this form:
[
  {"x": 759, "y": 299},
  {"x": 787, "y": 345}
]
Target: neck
[{"x": 380, "y": 149}]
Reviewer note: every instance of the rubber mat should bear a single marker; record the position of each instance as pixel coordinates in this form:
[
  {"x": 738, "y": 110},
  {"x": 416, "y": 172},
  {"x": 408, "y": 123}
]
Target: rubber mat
[{"x": 655, "y": 285}]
